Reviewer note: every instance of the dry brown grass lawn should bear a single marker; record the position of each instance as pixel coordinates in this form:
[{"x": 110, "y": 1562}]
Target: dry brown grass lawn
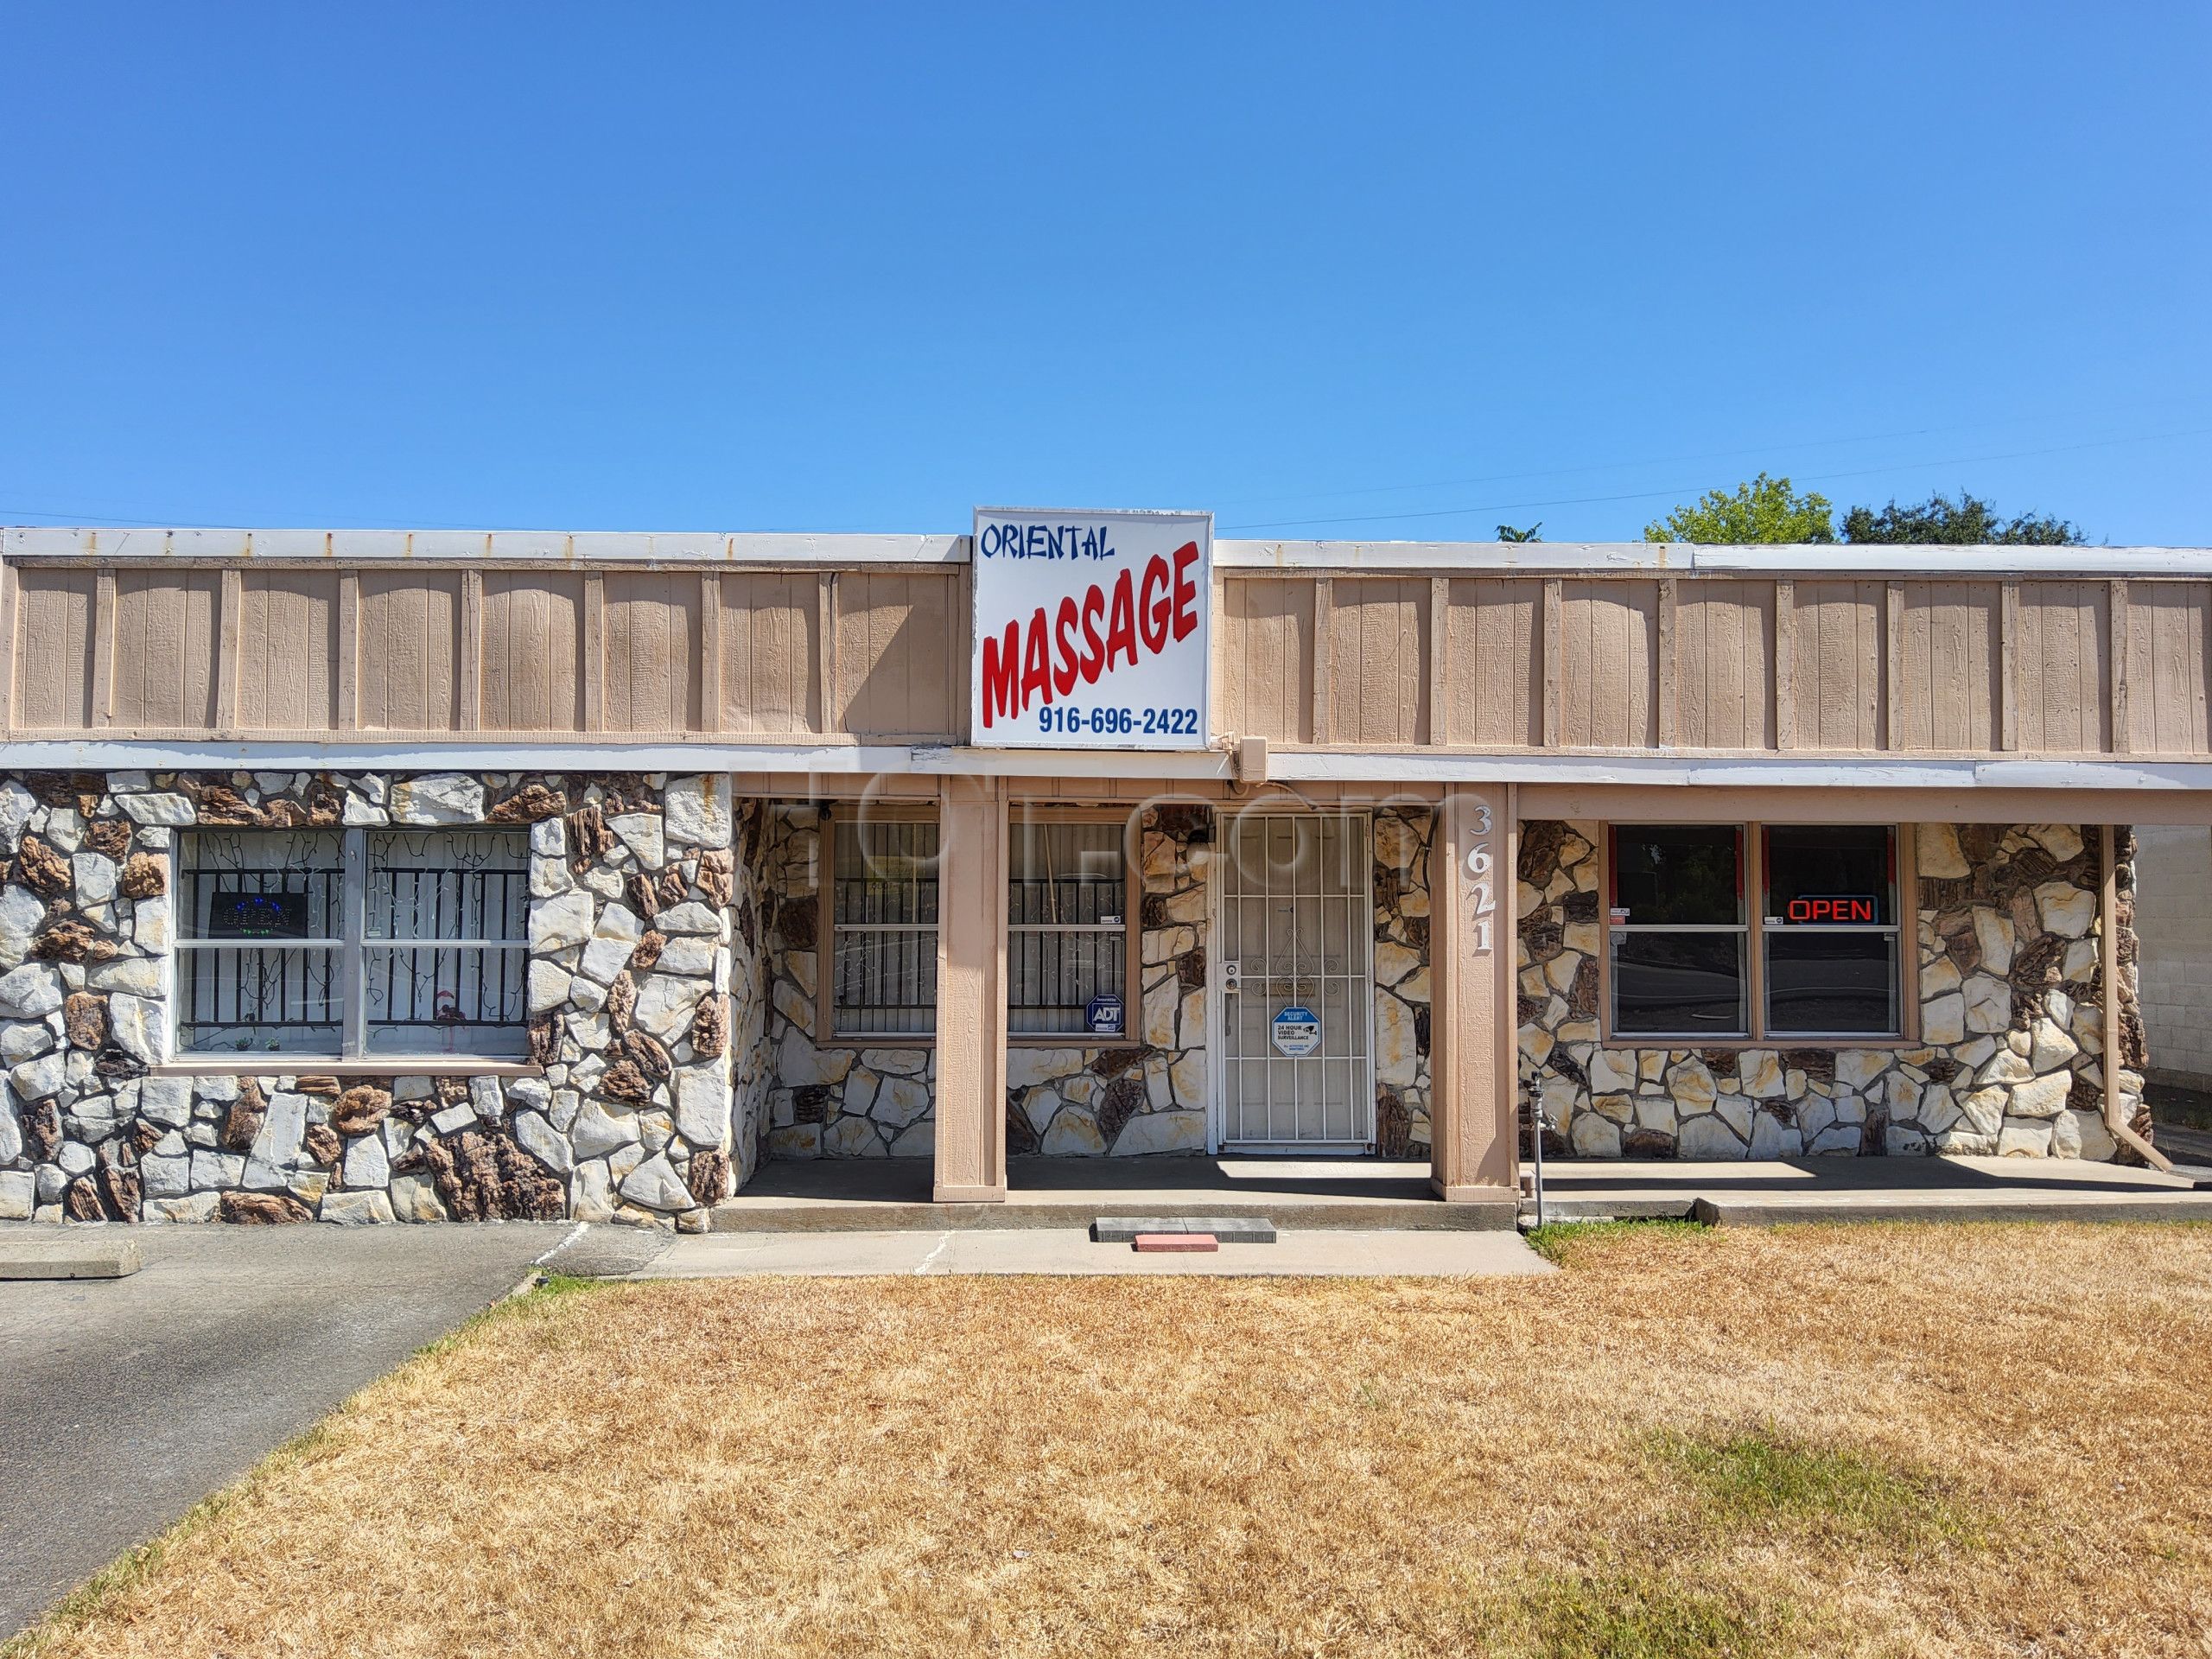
[{"x": 1880, "y": 1441}]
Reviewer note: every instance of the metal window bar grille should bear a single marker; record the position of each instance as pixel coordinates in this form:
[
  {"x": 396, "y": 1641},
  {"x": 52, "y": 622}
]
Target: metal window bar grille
[
  {"x": 884, "y": 914},
  {"x": 269, "y": 992},
  {"x": 444, "y": 913},
  {"x": 1298, "y": 896},
  {"x": 1067, "y": 931},
  {"x": 446, "y": 929}
]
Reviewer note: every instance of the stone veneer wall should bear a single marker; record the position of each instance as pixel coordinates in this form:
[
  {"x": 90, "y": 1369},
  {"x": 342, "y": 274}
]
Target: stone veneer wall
[
  {"x": 1401, "y": 980},
  {"x": 845, "y": 1100},
  {"x": 2009, "y": 1059},
  {"x": 654, "y": 1051}
]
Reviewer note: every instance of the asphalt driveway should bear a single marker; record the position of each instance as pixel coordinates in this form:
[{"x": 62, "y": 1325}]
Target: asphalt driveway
[{"x": 124, "y": 1403}]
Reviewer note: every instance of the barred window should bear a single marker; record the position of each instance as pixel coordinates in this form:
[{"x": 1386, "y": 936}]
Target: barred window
[
  {"x": 260, "y": 942},
  {"x": 351, "y": 943},
  {"x": 883, "y": 914},
  {"x": 1067, "y": 930},
  {"x": 446, "y": 959}
]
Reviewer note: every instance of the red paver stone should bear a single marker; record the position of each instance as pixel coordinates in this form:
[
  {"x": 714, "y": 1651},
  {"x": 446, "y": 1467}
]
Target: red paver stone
[{"x": 1176, "y": 1243}]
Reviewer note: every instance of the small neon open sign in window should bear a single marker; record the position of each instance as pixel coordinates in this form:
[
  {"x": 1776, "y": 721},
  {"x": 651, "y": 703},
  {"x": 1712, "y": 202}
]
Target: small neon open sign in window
[{"x": 1833, "y": 908}]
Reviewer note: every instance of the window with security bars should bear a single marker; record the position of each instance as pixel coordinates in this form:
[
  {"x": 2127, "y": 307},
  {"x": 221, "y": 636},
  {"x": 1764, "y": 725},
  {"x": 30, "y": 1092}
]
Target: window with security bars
[
  {"x": 883, "y": 917},
  {"x": 350, "y": 943},
  {"x": 1067, "y": 930}
]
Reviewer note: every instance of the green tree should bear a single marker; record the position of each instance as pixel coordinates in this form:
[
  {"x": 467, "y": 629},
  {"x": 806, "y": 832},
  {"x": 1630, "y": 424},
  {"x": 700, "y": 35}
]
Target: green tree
[
  {"x": 1764, "y": 510},
  {"x": 1507, "y": 533},
  {"x": 1965, "y": 523}
]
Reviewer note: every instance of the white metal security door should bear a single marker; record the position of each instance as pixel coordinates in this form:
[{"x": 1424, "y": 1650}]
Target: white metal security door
[{"x": 1297, "y": 926}]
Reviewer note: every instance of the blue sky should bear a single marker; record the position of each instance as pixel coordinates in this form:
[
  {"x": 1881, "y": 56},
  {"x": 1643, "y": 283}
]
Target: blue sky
[{"x": 1329, "y": 270}]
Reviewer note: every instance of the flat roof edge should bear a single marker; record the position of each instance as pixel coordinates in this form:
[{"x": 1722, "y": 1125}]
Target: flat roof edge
[{"x": 832, "y": 550}]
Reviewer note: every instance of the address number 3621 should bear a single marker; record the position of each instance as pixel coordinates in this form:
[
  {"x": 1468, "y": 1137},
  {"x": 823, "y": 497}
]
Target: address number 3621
[{"x": 1481, "y": 890}]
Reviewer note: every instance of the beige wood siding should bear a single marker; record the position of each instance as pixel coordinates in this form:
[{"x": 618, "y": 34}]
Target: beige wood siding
[
  {"x": 1378, "y": 661},
  {"x": 1837, "y": 664},
  {"x": 1950, "y": 698},
  {"x": 288, "y": 648},
  {"x": 1608, "y": 660},
  {"x": 53, "y": 650},
  {"x": 1964, "y": 665},
  {"x": 901, "y": 645},
  {"x": 164, "y": 655},
  {"x": 1263, "y": 661},
  {"x": 2065, "y": 689},
  {"x": 2166, "y": 623},
  {"x": 1493, "y": 663},
  {"x": 650, "y": 651},
  {"x": 409, "y": 672},
  {"x": 533, "y": 651},
  {"x": 1724, "y": 654},
  {"x": 772, "y": 652}
]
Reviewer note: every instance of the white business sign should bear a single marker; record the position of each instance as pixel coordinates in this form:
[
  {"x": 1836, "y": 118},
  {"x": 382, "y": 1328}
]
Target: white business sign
[{"x": 1091, "y": 629}]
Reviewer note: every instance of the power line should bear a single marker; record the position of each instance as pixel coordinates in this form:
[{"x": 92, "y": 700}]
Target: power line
[{"x": 1694, "y": 490}]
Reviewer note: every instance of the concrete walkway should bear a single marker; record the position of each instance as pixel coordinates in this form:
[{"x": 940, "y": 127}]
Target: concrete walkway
[
  {"x": 1867, "y": 1189},
  {"x": 124, "y": 1402},
  {"x": 1334, "y": 1253}
]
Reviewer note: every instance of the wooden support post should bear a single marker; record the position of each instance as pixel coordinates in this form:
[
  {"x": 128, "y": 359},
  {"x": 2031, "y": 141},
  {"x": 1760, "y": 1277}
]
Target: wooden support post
[
  {"x": 1474, "y": 1100},
  {"x": 971, "y": 992}
]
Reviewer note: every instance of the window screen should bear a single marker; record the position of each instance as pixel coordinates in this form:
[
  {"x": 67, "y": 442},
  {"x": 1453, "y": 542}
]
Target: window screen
[
  {"x": 1830, "y": 931},
  {"x": 1067, "y": 928},
  {"x": 1679, "y": 934},
  {"x": 884, "y": 920}
]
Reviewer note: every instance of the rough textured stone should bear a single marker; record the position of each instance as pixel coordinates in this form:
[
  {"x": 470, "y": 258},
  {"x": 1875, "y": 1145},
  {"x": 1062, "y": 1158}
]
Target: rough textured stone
[
  {"x": 85, "y": 1019},
  {"x": 262, "y": 1209},
  {"x": 655, "y": 1184},
  {"x": 360, "y": 1109}
]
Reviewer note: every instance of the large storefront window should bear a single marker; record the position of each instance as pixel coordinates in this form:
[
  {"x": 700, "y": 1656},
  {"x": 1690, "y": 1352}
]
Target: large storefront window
[
  {"x": 344, "y": 944},
  {"x": 883, "y": 978},
  {"x": 1830, "y": 934},
  {"x": 1822, "y": 962},
  {"x": 1067, "y": 930},
  {"x": 1680, "y": 936}
]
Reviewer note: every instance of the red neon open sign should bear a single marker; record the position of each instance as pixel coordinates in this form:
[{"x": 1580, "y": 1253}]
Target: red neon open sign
[{"x": 1831, "y": 910}]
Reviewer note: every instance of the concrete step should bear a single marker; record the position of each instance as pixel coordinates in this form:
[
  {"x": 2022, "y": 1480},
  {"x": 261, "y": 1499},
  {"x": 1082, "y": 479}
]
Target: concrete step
[
  {"x": 747, "y": 1214},
  {"x": 1228, "y": 1229}
]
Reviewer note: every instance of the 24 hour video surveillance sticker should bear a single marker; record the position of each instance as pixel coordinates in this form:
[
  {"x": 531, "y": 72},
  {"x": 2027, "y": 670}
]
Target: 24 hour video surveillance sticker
[{"x": 1091, "y": 629}]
